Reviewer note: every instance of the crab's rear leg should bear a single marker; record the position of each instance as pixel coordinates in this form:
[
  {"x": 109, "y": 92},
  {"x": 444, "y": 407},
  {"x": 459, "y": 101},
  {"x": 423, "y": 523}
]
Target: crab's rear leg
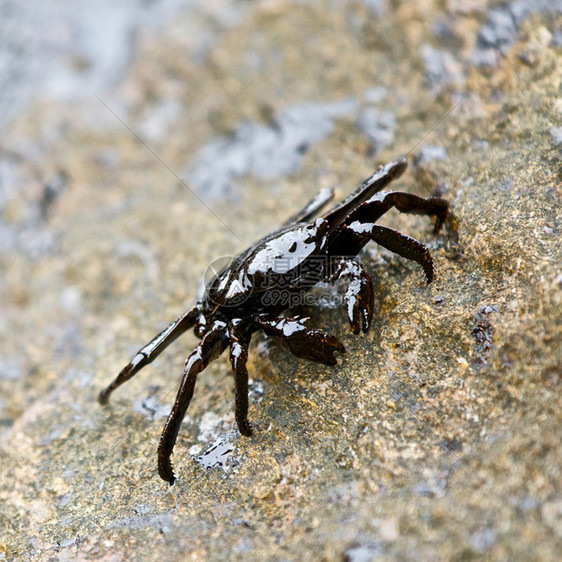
[
  {"x": 151, "y": 351},
  {"x": 314, "y": 345},
  {"x": 240, "y": 337},
  {"x": 359, "y": 296},
  {"x": 210, "y": 348}
]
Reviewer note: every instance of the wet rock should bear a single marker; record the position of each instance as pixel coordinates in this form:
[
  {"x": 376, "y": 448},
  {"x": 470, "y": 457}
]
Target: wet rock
[
  {"x": 379, "y": 126},
  {"x": 500, "y": 31},
  {"x": 557, "y": 39},
  {"x": 441, "y": 68},
  {"x": 484, "y": 334},
  {"x": 219, "y": 454},
  {"x": 429, "y": 153},
  {"x": 483, "y": 540},
  {"x": 268, "y": 152},
  {"x": 11, "y": 368},
  {"x": 435, "y": 436},
  {"x": 556, "y": 134},
  {"x": 364, "y": 551},
  {"x": 82, "y": 52},
  {"x": 376, "y": 6}
]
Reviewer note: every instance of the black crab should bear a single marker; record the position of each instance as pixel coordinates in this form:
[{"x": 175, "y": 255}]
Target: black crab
[{"x": 253, "y": 290}]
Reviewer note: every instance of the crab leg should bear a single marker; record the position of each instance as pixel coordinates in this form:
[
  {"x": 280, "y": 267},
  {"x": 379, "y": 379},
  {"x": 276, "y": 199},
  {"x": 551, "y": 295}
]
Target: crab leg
[
  {"x": 396, "y": 242},
  {"x": 360, "y": 227},
  {"x": 239, "y": 342},
  {"x": 414, "y": 204},
  {"x": 404, "y": 246},
  {"x": 151, "y": 351},
  {"x": 210, "y": 348},
  {"x": 371, "y": 186},
  {"x": 359, "y": 296}
]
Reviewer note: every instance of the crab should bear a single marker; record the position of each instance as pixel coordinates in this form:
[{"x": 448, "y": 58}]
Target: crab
[{"x": 252, "y": 292}]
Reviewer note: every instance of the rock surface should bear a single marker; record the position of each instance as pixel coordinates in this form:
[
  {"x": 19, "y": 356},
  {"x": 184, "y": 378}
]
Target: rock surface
[{"x": 437, "y": 436}]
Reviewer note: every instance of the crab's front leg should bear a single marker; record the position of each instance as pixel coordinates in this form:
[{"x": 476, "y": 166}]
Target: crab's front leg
[
  {"x": 210, "y": 348},
  {"x": 359, "y": 296},
  {"x": 314, "y": 345}
]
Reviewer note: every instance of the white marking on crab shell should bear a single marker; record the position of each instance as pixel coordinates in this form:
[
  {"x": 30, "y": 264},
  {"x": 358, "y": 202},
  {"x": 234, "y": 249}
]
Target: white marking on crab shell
[
  {"x": 351, "y": 294},
  {"x": 288, "y": 250},
  {"x": 238, "y": 286},
  {"x": 378, "y": 197},
  {"x": 361, "y": 227}
]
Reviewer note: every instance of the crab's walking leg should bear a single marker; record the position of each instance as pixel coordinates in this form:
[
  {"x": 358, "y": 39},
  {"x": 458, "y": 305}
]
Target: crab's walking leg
[
  {"x": 314, "y": 345},
  {"x": 209, "y": 349},
  {"x": 151, "y": 351},
  {"x": 240, "y": 338},
  {"x": 414, "y": 204},
  {"x": 402, "y": 245},
  {"x": 359, "y": 296},
  {"x": 360, "y": 227},
  {"x": 369, "y": 188}
]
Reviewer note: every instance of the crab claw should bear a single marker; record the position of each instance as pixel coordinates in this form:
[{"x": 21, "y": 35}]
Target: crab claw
[
  {"x": 315, "y": 345},
  {"x": 359, "y": 298}
]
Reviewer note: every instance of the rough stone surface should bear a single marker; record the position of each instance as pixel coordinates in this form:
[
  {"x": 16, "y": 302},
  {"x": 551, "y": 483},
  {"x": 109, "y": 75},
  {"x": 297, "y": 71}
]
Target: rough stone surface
[{"x": 436, "y": 437}]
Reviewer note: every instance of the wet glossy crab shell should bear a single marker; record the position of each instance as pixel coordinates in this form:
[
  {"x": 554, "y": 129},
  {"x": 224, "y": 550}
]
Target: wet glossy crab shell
[{"x": 275, "y": 261}]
